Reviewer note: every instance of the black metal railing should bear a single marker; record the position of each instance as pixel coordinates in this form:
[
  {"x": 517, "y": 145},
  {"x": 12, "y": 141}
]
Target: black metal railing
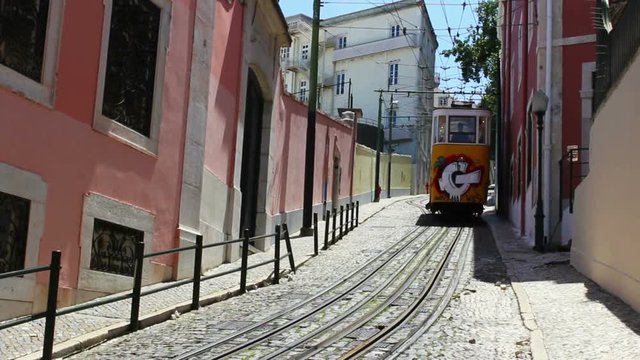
[
  {"x": 616, "y": 49},
  {"x": 573, "y": 162},
  {"x": 281, "y": 232},
  {"x": 348, "y": 220},
  {"x": 52, "y": 296}
]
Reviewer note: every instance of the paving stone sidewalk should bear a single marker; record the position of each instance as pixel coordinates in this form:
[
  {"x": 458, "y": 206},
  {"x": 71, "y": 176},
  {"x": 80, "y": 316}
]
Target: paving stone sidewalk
[
  {"x": 569, "y": 316},
  {"x": 87, "y": 327}
]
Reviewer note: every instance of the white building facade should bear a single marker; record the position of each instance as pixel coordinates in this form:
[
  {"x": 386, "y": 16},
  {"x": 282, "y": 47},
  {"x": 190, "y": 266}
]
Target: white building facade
[{"x": 390, "y": 47}]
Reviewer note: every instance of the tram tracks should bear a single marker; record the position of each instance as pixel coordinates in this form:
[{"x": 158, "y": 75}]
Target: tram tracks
[
  {"x": 393, "y": 293},
  {"x": 280, "y": 321}
]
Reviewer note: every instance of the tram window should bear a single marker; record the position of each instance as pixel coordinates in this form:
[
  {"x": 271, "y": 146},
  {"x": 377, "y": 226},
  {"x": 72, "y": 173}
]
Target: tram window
[
  {"x": 482, "y": 132},
  {"x": 462, "y": 129},
  {"x": 442, "y": 128}
]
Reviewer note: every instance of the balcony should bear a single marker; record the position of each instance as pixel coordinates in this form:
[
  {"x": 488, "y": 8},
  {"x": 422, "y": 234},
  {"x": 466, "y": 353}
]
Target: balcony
[
  {"x": 297, "y": 65},
  {"x": 374, "y": 47}
]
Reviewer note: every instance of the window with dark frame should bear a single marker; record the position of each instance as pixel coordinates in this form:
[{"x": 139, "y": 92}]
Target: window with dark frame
[
  {"x": 131, "y": 64},
  {"x": 14, "y": 227},
  {"x": 340, "y": 80},
  {"x": 305, "y": 52},
  {"x": 342, "y": 42},
  {"x": 393, "y": 74},
  {"x": 23, "y": 31},
  {"x": 303, "y": 91},
  {"x": 395, "y": 30},
  {"x": 113, "y": 247},
  {"x": 462, "y": 129}
]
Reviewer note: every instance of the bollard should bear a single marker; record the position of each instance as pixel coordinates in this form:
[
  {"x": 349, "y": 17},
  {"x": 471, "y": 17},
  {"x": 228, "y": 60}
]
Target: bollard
[
  {"x": 357, "y": 212},
  {"x": 315, "y": 233},
  {"x": 197, "y": 269},
  {"x": 137, "y": 287},
  {"x": 52, "y": 299},
  {"x": 333, "y": 234},
  {"x": 276, "y": 262},
  {"x": 326, "y": 230},
  {"x": 245, "y": 260},
  {"x": 341, "y": 221}
]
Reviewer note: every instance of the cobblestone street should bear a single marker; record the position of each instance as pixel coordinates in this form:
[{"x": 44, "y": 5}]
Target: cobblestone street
[
  {"x": 528, "y": 306},
  {"x": 482, "y": 321}
]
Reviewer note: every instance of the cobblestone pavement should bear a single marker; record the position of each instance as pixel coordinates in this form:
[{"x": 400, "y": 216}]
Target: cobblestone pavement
[
  {"x": 512, "y": 303},
  {"x": 483, "y": 322},
  {"x": 576, "y": 318},
  {"x": 87, "y": 326}
]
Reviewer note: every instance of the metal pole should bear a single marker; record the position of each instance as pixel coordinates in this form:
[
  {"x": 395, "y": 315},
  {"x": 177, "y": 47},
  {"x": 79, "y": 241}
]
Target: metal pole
[
  {"x": 315, "y": 233},
  {"x": 197, "y": 270},
  {"x": 245, "y": 261},
  {"x": 326, "y": 230},
  {"x": 137, "y": 287},
  {"x": 570, "y": 161},
  {"x": 333, "y": 234},
  {"x": 357, "y": 211},
  {"x": 341, "y": 221},
  {"x": 52, "y": 299},
  {"x": 311, "y": 124},
  {"x": 389, "y": 148},
  {"x": 539, "y": 216},
  {"x": 376, "y": 192},
  {"x": 349, "y": 96},
  {"x": 276, "y": 262}
]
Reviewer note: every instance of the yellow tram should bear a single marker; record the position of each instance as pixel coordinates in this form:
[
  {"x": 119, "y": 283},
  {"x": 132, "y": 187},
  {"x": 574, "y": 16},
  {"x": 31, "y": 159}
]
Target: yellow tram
[{"x": 459, "y": 161}]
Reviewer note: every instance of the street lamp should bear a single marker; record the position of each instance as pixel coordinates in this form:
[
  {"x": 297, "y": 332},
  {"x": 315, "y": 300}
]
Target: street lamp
[{"x": 539, "y": 104}]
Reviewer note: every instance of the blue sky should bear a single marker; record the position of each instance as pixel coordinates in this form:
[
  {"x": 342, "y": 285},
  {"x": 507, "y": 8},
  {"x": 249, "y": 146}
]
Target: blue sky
[{"x": 444, "y": 14}]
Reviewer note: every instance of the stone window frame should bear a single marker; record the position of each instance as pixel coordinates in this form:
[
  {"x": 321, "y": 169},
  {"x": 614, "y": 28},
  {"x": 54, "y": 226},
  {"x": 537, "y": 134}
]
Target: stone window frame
[
  {"x": 32, "y": 187},
  {"x": 113, "y": 128},
  {"x": 114, "y": 211},
  {"x": 42, "y": 92}
]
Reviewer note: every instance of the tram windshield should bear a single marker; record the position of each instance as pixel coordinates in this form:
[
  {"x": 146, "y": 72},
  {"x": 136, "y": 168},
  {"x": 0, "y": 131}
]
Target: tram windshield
[{"x": 462, "y": 129}]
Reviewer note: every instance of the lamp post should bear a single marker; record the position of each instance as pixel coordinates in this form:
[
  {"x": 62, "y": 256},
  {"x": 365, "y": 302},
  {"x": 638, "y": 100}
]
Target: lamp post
[{"x": 539, "y": 104}]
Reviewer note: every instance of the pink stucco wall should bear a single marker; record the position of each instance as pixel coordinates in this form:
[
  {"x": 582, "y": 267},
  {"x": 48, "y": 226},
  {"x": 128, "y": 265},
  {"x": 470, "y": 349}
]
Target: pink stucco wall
[
  {"x": 290, "y": 122},
  {"x": 224, "y": 95},
  {"x": 61, "y": 146}
]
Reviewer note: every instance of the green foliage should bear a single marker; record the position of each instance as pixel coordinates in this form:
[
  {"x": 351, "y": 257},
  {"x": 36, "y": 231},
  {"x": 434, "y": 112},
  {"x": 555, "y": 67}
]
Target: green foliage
[{"x": 478, "y": 53}]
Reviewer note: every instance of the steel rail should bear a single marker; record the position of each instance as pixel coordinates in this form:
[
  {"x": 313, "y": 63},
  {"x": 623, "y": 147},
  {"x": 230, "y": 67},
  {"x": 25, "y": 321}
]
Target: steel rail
[
  {"x": 391, "y": 253},
  {"x": 419, "y": 260},
  {"x": 376, "y": 338},
  {"x": 400, "y": 347}
]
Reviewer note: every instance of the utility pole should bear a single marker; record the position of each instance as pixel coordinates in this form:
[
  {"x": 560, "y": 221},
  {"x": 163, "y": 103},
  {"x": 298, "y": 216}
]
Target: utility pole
[
  {"x": 376, "y": 191},
  {"x": 391, "y": 119},
  {"x": 311, "y": 125}
]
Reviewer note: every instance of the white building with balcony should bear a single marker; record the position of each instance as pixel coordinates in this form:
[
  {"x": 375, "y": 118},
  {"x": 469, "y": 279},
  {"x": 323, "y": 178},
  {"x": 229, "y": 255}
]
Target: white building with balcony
[{"x": 389, "y": 47}]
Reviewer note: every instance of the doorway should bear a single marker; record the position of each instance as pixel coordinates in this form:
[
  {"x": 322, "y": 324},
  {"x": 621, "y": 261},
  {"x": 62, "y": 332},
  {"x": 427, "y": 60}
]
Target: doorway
[{"x": 250, "y": 171}]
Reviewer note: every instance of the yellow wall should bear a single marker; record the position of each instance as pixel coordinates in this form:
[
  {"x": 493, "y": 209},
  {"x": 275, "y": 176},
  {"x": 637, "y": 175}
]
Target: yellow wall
[
  {"x": 364, "y": 171},
  {"x": 606, "y": 245}
]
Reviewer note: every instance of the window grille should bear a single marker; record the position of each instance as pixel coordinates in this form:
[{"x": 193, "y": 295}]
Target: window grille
[
  {"x": 14, "y": 225},
  {"x": 131, "y": 64},
  {"x": 113, "y": 246}
]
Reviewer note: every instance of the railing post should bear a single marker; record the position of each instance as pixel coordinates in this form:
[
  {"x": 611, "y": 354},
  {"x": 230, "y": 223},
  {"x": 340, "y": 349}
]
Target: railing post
[
  {"x": 276, "y": 260},
  {"x": 333, "y": 234},
  {"x": 353, "y": 211},
  {"x": 287, "y": 242},
  {"x": 197, "y": 269},
  {"x": 326, "y": 230},
  {"x": 571, "y": 181},
  {"x": 137, "y": 287},
  {"x": 52, "y": 299},
  {"x": 357, "y": 211},
  {"x": 245, "y": 261},
  {"x": 315, "y": 233},
  {"x": 341, "y": 221},
  {"x": 346, "y": 220}
]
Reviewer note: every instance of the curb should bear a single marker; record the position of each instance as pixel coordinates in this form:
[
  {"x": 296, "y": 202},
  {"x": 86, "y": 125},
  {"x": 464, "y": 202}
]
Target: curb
[{"x": 538, "y": 348}]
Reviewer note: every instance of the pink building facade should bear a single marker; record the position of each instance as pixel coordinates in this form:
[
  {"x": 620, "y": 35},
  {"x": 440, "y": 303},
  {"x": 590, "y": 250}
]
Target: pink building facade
[
  {"x": 157, "y": 130},
  {"x": 566, "y": 78}
]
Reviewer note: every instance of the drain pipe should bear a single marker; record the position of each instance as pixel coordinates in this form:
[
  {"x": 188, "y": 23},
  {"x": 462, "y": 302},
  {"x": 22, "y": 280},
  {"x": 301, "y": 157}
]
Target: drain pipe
[{"x": 547, "y": 119}]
